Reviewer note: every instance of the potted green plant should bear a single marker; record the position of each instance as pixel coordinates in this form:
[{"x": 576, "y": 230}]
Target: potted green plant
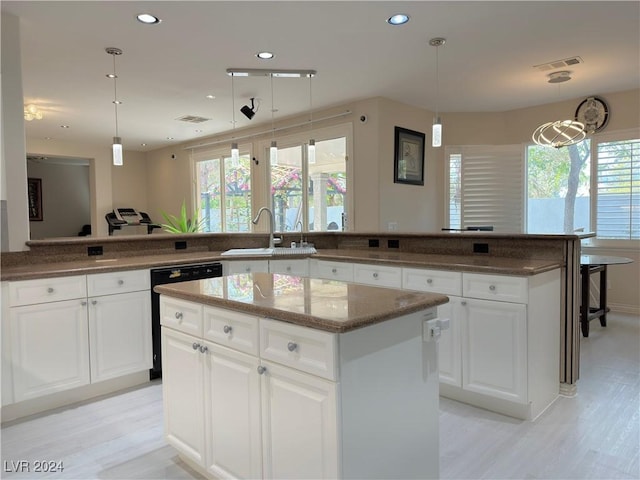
[{"x": 182, "y": 224}]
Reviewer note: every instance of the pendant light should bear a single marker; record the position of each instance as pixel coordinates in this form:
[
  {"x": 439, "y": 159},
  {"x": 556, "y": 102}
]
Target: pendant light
[
  {"x": 273, "y": 150},
  {"x": 235, "y": 152},
  {"x": 311, "y": 149},
  {"x": 117, "y": 141},
  {"x": 436, "y": 132}
]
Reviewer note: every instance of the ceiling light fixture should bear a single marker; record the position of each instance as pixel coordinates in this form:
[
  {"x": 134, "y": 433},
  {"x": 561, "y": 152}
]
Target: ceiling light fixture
[
  {"x": 273, "y": 149},
  {"x": 265, "y": 72},
  {"x": 436, "y": 132},
  {"x": 148, "y": 19},
  {"x": 117, "y": 141},
  {"x": 235, "y": 152},
  {"x": 248, "y": 111},
  {"x": 398, "y": 19},
  {"x": 32, "y": 112},
  {"x": 265, "y": 55},
  {"x": 311, "y": 149},
  {"x": 560, "y": 133}
]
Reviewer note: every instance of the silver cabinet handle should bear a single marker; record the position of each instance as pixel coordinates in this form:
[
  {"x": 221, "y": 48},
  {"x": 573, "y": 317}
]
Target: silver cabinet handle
[
  {"x": 261, "y": 369},
  {"x": 195, "y": 346},
  {"x": 227, "y": 329},
  {"x": 203, "y": 348},
  {"x": 334, "y": 270},
  {"x": 120, "y": 282},
  {"x": 492, "y": 288},
  {"x": 292, "y": 347},
  {"x": 50, "y": 290},
  {"x": 178, "y": 315},
  {"x": 429, "y": 281},
  {"x": 93, "y": 302},
  {"x": 375, "y": 275}
]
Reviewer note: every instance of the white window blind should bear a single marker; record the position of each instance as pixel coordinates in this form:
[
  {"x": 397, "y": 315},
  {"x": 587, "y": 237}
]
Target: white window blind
[
  {"x": 618, "y": 190},
  {"x": 492, "y": 187}
]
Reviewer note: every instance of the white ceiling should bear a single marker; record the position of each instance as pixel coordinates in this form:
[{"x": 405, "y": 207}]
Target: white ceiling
[{"x": 167, "y": 69}]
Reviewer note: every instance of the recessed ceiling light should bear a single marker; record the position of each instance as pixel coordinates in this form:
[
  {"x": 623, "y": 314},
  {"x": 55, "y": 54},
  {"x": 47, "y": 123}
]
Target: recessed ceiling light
[
  {"x": 398, "y": 19},
  {"x": 64, "y": 126},
  {"x": 210, "y": 97},
  {"x": 265, "y": 55},
  {"x": 199, "y": 131},
  {"x": 111, "y": 75},
  {"x": 148, "y": 19},
  {"x": 48, "y": 138},
  {"x": 169, "y": 138},
  {"x": 143, "y": 144}
]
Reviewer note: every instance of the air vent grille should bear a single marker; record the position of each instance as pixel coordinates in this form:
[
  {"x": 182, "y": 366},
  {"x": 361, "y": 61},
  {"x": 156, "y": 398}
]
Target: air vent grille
[
  {"x": 567, "y": 62},
  {"x": 193, "y": 119}
]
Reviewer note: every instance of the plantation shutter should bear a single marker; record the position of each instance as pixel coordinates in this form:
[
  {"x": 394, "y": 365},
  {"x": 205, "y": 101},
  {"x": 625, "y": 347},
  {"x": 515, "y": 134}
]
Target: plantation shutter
[
  {"x": 618, "y": 190},
  {"x": 492, "y": 190}
]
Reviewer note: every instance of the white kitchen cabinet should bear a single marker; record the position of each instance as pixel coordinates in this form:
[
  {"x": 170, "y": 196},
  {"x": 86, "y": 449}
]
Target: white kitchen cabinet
[
  {"x": 183, "y": 394},
  {"x": 119, "y": 334},
  {"x": 449, "y": 346},
  {"x": 494, "y": 349},
  {"x": 328, "y": 270},
  {"x": 299, "y": 424},
  {"x": 49, "y": 347},
  {"x": 246, "y": 266},
  {"x": 297, "y": 266},
  {"x": 377, "y": 275}
]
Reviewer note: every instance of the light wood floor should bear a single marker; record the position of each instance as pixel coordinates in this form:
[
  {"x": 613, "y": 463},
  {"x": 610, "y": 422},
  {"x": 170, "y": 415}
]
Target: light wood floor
[{"x": 593, "y": 435}]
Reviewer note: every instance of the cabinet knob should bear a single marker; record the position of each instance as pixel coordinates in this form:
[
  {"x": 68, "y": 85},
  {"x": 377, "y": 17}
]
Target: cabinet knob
[
  {"x": 227, "y": 329},
  {"x": 492, "y": 288},
  {"x": 334, "y": 270},
  {"x": 463, "y": 303},
  {"x": 50, "y": 290},
  {"x": 288, "y": 269},
  {"x": 178, "y": 315},
  {"x": 83, "y": 303},
  {"x": 204, "y": 348},
  {"x": 292, "y": 346},
  {"x": 375, "y": 274},
  {"x": 120, "y": 282},
  {"x": 94, "y": 302},
  {"x": 429, "y": 281},
  {"x": 195, "y": 346},
  {"x": 248, "y": 269},
  {"x": 261, "y": 369}
]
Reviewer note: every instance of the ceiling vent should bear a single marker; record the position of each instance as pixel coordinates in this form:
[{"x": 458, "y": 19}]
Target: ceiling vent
[
  {"x": 556, "y": 64},
  {"x": 193, "y": 119}
]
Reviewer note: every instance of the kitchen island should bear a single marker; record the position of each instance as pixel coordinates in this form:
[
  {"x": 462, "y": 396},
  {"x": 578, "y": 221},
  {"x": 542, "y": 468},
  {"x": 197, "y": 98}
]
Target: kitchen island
[{"x": 279, "y": 376}]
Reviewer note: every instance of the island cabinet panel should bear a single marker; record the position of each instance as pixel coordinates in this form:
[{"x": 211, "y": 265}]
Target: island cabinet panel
[
  {"x": 290, "y": 267},
  {"x": 449, "y": 346},
  {"x": 377, "y": 275},
  {"x": 342, "y": 271},
  {"x": 183, "y": 394},
  {"x": 246, "y": 266},
  {"x": 232, "y": 329},
  {"x": 182, "y": 315}
]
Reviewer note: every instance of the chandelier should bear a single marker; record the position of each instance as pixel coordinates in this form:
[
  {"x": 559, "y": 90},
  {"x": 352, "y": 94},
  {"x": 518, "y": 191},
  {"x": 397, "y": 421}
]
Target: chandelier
[{"x": 32, "y": 112}]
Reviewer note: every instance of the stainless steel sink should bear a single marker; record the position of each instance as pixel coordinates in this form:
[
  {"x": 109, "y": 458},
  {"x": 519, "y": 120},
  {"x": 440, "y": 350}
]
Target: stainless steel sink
[
  {"x": 278, "y": 251},
  {"x": 268, "y": 252}
]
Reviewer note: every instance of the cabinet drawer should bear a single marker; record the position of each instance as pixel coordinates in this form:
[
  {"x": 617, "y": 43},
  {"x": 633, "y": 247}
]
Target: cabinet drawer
[
  {"x": 378, "y": 275},
  {"x": 231, "y": 329},
  {"x": 239, "y": 266},
  {"x": 43, "y": 290},
  {"x": 181, "y": 315},
  {"x": 299, "y": 347},
  {"x": 495, "y": 287},
  {"x": 118, "y": 282},
  {"x": 436, "y": 281},
  {"x": 334, "y": 271},
  {"x": 290, "y": 267}
]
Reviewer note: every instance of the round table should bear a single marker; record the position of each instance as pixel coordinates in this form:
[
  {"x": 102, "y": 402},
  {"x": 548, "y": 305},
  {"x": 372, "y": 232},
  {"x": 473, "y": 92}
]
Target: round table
[{"x": 590, "y": 264}]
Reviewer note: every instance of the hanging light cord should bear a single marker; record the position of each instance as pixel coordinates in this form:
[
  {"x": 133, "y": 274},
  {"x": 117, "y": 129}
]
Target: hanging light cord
[
  {"x": 233, "y": 102},
  {"x": 272, "y": 109},
  {"x": 310, "y": 106},
  {"x": 115, "y": 92},
  {"x": 437, "y": 81}
]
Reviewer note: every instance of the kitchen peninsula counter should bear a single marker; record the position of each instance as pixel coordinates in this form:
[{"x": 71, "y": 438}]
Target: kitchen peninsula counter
[{"x": 330, "y": 306}]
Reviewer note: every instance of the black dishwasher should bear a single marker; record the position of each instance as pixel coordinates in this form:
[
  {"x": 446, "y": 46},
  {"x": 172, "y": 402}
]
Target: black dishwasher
[{"x": 162, "y": 276}]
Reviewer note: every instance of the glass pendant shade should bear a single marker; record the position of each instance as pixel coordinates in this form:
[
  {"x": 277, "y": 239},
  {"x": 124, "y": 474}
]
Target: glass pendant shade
[
  {"x": 436, "y": 133},
  {"x": 235, "y": 153},
  {"x": 312, "y": 151},
  {"x": 273, "y": 153},
  {"x": 561, "y": 133},
  {"x": 117, "y": 151}
]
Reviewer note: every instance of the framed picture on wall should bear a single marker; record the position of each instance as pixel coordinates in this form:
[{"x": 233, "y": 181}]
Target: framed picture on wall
[
  {"x": 408, "y": 166},
  {"x": 34, "y": 191}
]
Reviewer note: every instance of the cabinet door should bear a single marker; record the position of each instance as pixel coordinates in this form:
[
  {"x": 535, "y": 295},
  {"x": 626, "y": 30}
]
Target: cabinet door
[
  {"x": 494, "y": 351},
  {"x": 247, "y": 266},
  {"x": 342, "y": 271},
  {"x": 449, "y": 345},
  {"x": 232, "y": 399},
  {"x": 377, "y": 275},
  {"x": 49, "y": 348},
  {"x": 119, "y": 335},
  {"x": 182, "y": 393},
  {"x": 299, "y": 424},
  {"x": 298, "y": 267}
]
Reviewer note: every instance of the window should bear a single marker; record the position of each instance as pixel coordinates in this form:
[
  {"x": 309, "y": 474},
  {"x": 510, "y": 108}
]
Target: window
[
  {"x": 558, "y": 188},
  {"x": 617, "y": 190},
  {"x": 485, "y": 187},
  {"x": 224, "y": 191},
  {"x": 313, "y": 195}
]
